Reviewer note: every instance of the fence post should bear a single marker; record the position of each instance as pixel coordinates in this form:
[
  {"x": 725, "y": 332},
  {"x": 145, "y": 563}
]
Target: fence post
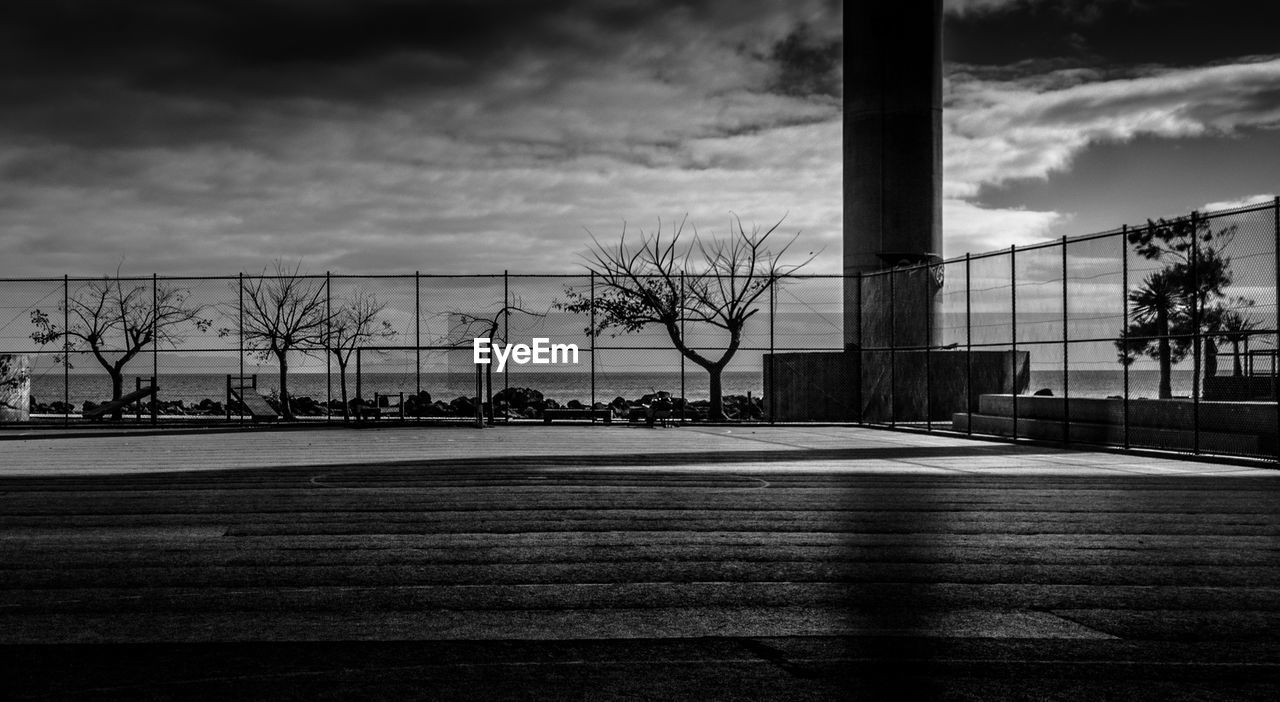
[
  {"x": 506, "y": 340},
  {"x": 328, "y": 349},
  {"x": 683, "y": 390},
  {"x": 1066, "y": 352},
  {"x": 861, "y": 354},
  {"x": 417, "y": 334},
  {"x": 928, "y": 349},
  {"x": 1275, "y": 264},
  {"x": 480, "y": 394},
  {"x": 155, "y": 348},
  {"x": 1124, "y": 335},
  {"x": 893, "y": 350},
  {"x": 773, "y": 366},
  {"x": 240, "y": 345},
  {"x": 591, "y": 308},
  {"x": 1196, "y": 340},
  {"x": 1013, "y": 335},
  {"x": 968, "y": 342},
  {"x": 66, "y": 349}
]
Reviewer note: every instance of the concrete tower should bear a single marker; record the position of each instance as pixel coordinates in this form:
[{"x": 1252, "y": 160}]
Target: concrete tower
[
  {"x": 892, "y": 368},
  {"x": 892, "y": 153}
]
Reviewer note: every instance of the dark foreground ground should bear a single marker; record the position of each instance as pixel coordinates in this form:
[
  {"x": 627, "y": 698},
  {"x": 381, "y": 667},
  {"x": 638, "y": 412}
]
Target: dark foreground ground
[{"x": 806, "y": 574}]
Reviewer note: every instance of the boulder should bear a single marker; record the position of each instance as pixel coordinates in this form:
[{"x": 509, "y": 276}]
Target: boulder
[
  {"x": 417, "y": 405},
  {"x": 463, "y": 407},
  {"x": 518, "y": 398},
  {"x": 209, "y": 407},
  {"x": 307, "y": 406},
  {"x": 438, "y": 409}
]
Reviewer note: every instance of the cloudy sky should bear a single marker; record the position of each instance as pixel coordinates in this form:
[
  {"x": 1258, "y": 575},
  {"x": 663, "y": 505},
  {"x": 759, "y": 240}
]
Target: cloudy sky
[{"x": 387, "y": 136}]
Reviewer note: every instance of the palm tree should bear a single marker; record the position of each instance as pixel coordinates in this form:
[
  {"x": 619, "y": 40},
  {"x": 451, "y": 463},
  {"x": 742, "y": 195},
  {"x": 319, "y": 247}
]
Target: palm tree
[
  {"x": 1155, "y": 305},
  {"x": 1178, "y": 301},
  {"x": 1235, "y": 329}
]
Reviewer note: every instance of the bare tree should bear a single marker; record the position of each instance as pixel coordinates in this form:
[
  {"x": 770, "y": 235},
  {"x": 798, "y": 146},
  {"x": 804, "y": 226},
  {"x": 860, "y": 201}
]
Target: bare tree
[
  {"x": 283, "y": 313},
  {"x": 467, "y": 325},
  {"x": 357, "y": 322},
  {"x": 676, "y": 281},
  {"x": 116, "y": 320}
]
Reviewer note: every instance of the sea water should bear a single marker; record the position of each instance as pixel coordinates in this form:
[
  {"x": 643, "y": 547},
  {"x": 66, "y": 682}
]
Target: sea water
[{"x": 561, "y": 386}]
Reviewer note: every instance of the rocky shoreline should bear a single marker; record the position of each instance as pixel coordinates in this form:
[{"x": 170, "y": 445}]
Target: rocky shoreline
[{"x": 516, "y": 403}]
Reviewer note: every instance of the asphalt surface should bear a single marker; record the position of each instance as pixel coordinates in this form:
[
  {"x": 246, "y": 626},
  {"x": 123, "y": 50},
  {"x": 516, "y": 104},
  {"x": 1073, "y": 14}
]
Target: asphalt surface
[{"x": 772, "y": 572}]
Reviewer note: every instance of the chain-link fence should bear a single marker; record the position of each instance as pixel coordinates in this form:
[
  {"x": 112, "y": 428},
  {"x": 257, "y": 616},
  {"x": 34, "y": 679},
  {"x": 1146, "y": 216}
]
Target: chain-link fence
[
  {"x": 343, "y": 348},
  {"x": 1161, "y": 335},
  {"x": 1158, "y": 336}
]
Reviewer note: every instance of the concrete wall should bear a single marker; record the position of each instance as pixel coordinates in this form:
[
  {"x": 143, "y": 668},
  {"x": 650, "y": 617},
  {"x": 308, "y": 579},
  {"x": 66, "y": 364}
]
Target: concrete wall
[
  {"x": 1235, "y": 428},
  {"x": 819, "y": 386},
  {"x": 1240, "y": 387},
  {"x": 876, "y": 386},
  {"x": 912, "y": 386},
  {"x": 895, "y": 309},
  {"x": 15, "y": 388}
]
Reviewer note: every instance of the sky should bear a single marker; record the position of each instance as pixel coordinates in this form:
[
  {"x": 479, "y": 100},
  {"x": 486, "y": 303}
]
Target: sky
[{"x": 390, "y": 136}]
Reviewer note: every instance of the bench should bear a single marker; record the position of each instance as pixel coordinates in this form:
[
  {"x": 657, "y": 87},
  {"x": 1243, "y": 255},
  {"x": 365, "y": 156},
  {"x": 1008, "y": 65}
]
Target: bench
[
  {"x": 382, "y": 406},
  {"x": 605, "y": 415},
  {"x": 247, "y": 395},
  {"x": 664, "y": 415},
  {"x": 101, "y": 410}
]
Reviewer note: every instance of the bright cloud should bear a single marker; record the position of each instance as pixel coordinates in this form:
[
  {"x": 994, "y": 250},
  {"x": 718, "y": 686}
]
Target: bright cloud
[
  {"x": 1238, "y": 202},
  {"x": 974, "y": 228},
  {"x": 1001, "y": 130}
]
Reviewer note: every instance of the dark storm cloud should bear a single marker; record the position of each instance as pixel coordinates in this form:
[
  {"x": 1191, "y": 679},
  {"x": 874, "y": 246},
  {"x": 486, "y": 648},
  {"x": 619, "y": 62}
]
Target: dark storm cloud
[
  {"x": 1032, "y": 85},
  {"x": 808, "y": 64},
  {"x": 139, "y": 71},
  {"x": 125, "y": 72},
  {"x": 244, "y": 45},
  {"x": 224, "y": 133},
  {"x": 1166, "y": 32},
  {"x": 163, "y": 40}
]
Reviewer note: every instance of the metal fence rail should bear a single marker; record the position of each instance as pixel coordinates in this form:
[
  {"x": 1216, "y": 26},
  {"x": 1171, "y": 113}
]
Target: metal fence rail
[
  {"x": 1084, "y": 323},
  {"x": 421, "y": 346},
  {"x": 920, "y": 350}
]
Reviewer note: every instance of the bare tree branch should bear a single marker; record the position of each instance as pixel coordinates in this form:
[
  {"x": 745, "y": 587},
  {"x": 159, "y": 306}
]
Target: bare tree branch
[
  {"x": 115, "y": 320},
  {"x": 667, "y": 281},
  {"x": 283, "y": 312}
]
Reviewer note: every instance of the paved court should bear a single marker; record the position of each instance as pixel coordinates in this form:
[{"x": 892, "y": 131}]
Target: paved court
[{"x": 574, "y": 562}]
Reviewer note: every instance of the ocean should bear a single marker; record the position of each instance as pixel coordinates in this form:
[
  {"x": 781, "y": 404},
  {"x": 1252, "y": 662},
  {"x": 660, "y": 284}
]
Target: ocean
[{"x": 561, "y": 386}]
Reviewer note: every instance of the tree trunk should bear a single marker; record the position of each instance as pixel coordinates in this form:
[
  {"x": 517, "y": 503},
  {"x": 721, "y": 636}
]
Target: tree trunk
[
  {"x": 488, "y": 390},
  {"x": 717, "y": 395},
  {"x": 1236, "y": 370},
  {"x": 285, "y": 409},
  {"x": 1163, "y": 353},
  {"x": 342, "y": 380},
  {"x": 1210, "y": 357},
  {"x": 117, "y": 391}
]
